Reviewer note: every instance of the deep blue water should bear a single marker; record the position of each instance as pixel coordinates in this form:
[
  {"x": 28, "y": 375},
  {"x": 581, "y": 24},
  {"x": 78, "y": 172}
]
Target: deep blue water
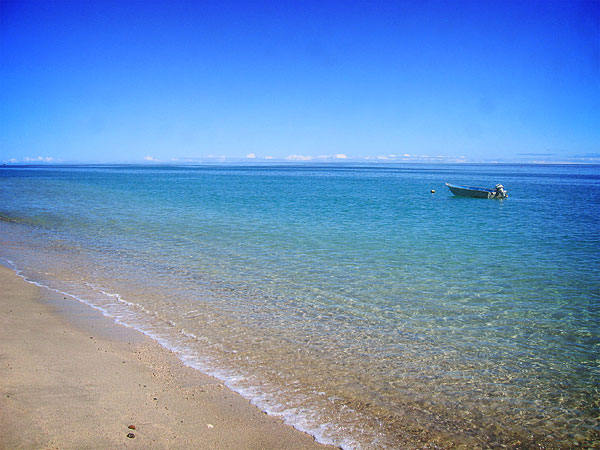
[{"x": 348, "y": 299}]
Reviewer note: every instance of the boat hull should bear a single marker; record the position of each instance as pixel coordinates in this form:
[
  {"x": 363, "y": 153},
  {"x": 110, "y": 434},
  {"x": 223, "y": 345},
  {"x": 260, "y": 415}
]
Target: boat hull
[{"x": 468, "y": 191}]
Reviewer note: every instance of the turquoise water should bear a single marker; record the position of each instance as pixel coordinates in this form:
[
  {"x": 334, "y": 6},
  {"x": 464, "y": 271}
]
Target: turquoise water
[{"x": 350, "y": 300}]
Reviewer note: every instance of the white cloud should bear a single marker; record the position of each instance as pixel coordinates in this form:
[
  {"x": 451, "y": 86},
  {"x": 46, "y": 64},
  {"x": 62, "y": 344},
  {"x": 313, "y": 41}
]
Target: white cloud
[
  {"x": 220, "y": 158},
  {"x": 340, "y": 156},
  {"x": 268, "y": 157},
  {"x": 13, "y": 160},
  {"x": 251, "y": 156},
  {"x": 39, "y": 158},
  {"x": 150, "y": 158},
  {"x": 299, "y": 158}
]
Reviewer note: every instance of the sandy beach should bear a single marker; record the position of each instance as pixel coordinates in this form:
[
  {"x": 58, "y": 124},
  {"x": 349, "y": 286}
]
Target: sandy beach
[{"x": 72, "y": 378}]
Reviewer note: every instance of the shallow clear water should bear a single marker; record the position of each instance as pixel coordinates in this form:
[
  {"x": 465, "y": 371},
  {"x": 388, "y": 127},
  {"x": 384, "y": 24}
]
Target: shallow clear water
[{"x": 349, "y": 300}]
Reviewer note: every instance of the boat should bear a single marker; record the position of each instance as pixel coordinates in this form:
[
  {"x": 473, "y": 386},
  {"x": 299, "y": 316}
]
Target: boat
[{"x": 477, "y": 192}]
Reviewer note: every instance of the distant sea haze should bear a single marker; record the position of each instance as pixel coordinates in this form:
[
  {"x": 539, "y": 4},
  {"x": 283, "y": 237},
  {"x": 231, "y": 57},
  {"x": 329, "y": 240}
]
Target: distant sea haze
[{"x": 352, "y": 301}]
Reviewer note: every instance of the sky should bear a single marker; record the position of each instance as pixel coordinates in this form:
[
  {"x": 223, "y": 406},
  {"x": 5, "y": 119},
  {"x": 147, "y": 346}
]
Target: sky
[{"x": 193, "y": 81}]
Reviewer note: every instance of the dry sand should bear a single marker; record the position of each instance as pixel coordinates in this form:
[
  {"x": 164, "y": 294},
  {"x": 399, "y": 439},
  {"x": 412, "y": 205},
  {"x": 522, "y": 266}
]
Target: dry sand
[{"x": 71, "y": 378}]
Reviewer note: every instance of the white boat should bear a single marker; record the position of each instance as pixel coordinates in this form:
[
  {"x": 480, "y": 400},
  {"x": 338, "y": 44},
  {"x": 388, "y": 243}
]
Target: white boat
[{"x": 477, "y": 192}]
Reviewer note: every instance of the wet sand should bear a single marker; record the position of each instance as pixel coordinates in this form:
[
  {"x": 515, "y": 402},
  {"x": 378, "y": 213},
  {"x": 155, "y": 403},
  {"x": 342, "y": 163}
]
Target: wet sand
[{"x": 72, "y": 378}]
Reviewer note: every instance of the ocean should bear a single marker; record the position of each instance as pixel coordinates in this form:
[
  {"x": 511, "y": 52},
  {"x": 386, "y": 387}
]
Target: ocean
[{"x": 347, "y": 299}]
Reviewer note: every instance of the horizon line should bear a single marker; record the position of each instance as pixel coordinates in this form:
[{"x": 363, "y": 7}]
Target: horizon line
[{"x": 284, "y": 162}]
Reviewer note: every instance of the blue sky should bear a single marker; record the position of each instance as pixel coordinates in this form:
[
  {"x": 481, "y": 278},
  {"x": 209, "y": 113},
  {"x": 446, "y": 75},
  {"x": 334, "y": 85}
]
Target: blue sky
[{"x": 134, "y": 81}]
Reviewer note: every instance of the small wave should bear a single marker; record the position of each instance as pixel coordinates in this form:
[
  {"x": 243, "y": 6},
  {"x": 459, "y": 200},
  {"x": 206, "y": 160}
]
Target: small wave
[{"x": 11, "y": 219}]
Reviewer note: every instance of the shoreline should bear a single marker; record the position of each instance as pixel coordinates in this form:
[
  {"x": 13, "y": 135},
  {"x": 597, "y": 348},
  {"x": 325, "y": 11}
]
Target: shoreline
[{"x": 72, "y": 378}]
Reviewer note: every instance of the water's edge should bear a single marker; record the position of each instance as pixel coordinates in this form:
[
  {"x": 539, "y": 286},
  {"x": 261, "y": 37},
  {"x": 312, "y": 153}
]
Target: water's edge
[{"x": 295, "y": 421}]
